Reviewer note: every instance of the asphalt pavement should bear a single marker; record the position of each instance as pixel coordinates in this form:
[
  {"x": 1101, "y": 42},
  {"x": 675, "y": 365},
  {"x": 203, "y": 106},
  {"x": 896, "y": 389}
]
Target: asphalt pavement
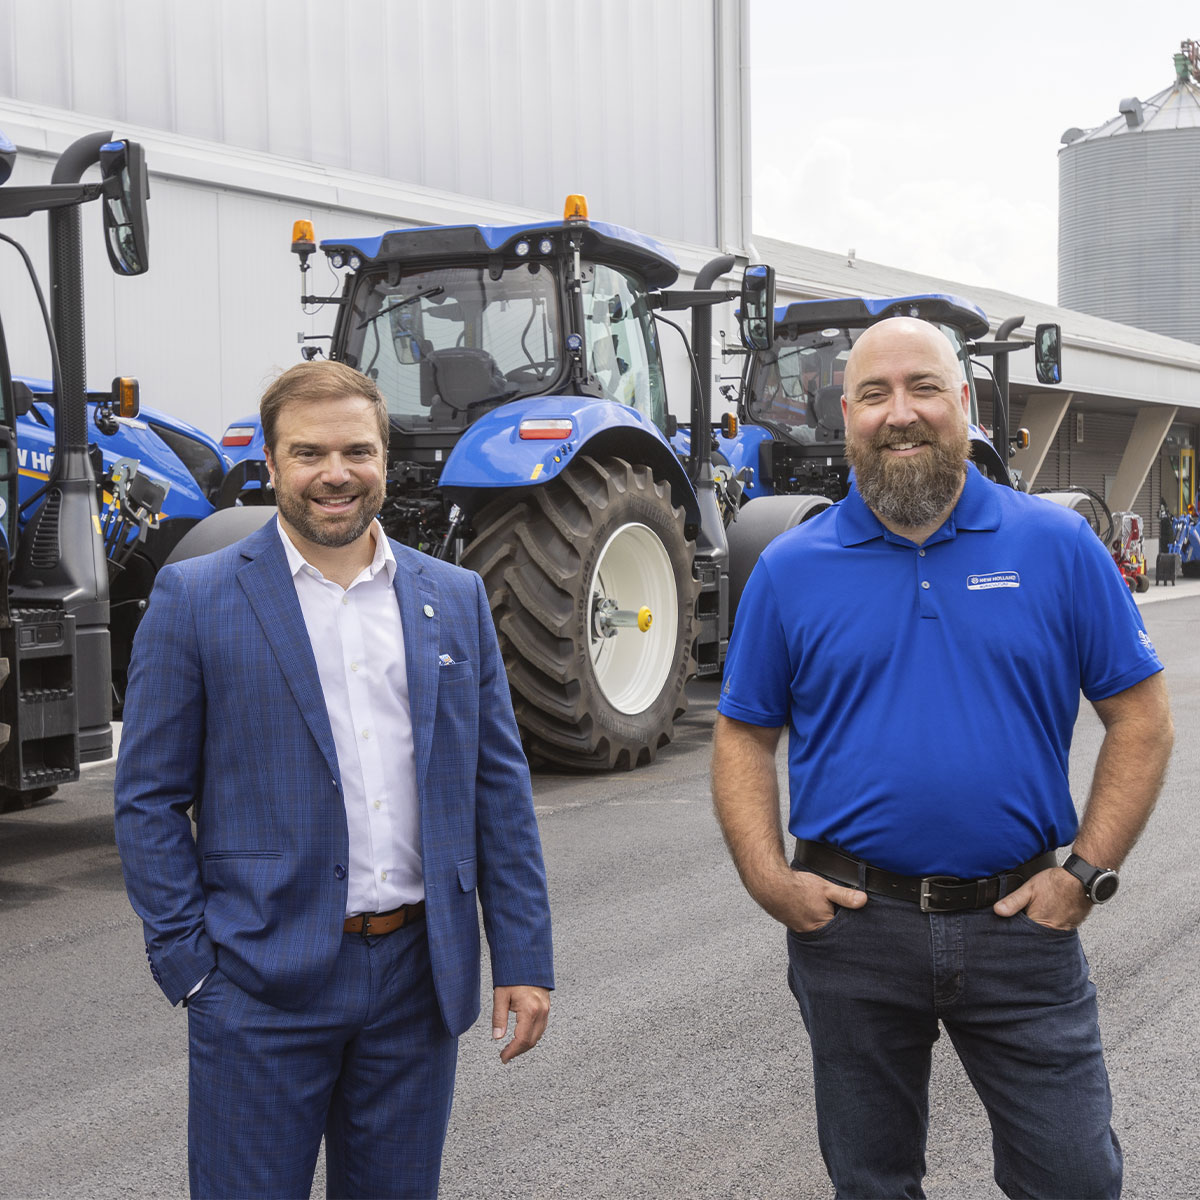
[{"x": 675, "y": 1065}]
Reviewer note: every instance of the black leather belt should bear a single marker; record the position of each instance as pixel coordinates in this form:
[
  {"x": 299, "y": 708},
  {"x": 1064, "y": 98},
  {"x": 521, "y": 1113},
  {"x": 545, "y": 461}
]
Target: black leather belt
[{"x": 934, "y": 893}]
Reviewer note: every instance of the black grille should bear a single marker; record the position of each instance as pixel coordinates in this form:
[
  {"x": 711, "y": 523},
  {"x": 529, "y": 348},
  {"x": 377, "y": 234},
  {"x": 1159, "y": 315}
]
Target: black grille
[{"x": 44, "y": 551}]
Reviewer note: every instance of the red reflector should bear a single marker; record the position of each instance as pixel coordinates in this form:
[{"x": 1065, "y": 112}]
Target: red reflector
[
  {"x": 546, "y": 431},
  {"x": 238, "y": 435}
]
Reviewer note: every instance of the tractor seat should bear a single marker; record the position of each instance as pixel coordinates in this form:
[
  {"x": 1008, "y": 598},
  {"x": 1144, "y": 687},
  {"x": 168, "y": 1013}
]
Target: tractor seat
[
  {"x": 827, "y": 408},
  {"x": 453, "y": 380}
]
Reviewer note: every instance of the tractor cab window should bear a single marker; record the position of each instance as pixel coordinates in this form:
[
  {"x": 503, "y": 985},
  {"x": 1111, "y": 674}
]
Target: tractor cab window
[
  {"x": 622, "y": 351},
  {"x": 796, "y": 387},
  {"x": 446, "y": 345}
]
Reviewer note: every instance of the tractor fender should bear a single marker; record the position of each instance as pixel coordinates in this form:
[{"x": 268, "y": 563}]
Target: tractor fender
[
  {"x": 492, "y": 455},
  {"x": 221, "y": 529},
  {"x": 986, "y": 457}
]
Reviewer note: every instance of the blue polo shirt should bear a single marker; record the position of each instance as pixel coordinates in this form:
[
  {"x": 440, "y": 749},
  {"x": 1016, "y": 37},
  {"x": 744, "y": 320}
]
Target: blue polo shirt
[{"x": 930, "y": 692}]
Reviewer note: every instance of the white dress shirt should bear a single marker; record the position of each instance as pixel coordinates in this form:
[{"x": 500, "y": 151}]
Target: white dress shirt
[{"x": 358, "y": 642}]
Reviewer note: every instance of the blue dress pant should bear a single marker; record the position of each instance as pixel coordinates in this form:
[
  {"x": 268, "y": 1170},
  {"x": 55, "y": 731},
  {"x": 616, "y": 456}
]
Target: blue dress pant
[
  {"x": 368, "y": 1063},
  {"x": 1017, "y": 1003}
]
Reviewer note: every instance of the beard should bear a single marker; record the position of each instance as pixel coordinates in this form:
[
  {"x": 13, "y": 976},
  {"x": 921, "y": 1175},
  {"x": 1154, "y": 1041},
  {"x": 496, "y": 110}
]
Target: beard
[
  {"x": 324, "y": 529},
  {"x": 909, "y": 492}
]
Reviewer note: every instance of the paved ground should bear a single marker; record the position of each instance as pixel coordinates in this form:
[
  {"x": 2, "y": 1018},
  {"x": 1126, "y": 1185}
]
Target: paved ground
[{"x": 676, "y": 1064}]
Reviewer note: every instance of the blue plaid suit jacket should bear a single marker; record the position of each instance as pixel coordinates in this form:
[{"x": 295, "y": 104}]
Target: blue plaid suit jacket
[{"x": 224, "y": 710}]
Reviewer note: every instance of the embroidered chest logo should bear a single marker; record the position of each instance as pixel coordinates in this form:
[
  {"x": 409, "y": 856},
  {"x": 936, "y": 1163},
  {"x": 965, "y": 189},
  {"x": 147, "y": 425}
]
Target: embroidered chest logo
[{"x": 993, "y": 579}]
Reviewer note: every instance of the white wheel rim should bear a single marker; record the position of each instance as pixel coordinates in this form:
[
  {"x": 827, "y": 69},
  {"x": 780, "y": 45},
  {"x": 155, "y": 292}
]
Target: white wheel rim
[{"x": 634, "y": 569}]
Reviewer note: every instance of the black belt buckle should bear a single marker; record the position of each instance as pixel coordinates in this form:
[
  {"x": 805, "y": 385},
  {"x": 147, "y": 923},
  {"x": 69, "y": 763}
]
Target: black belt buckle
[{"x": 931, "y": 881}]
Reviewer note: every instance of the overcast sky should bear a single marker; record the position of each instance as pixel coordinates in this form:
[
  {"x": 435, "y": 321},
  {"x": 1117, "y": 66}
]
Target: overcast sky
[{"x": 925, "y": 135}]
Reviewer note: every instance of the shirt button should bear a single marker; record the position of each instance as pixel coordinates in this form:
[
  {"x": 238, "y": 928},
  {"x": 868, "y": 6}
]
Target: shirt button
[
  {"x": 339, "y": 872},
  {"x": 354, "y": 666},
  {"x": 378, "y": 803},
  {"x": 921, "y": 552},
  {"x": 383, "y": 875},
  {"x": 366, "y": 734},
  {"x": 345, "y": 599},
  {"x": 925, "y": 583}
]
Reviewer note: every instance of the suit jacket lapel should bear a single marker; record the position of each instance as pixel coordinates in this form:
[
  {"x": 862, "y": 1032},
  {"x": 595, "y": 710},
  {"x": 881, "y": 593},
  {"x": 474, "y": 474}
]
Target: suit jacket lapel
[
  {"x": 421, "y": 617},
  {"x": 269, "y": 587}
]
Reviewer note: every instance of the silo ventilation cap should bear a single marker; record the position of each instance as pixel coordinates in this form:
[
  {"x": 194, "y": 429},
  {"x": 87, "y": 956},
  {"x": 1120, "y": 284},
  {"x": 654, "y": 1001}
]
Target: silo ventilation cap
[{"x": 1131, "y": 106}]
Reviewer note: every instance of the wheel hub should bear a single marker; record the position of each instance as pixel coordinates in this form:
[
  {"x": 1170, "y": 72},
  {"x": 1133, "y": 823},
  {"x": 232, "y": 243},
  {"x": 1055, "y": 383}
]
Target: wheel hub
[{"x": 632, "y": 654}]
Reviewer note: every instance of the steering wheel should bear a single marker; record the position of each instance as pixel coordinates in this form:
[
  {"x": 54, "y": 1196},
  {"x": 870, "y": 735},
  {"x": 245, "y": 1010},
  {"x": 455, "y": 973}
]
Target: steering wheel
[{"x": 534, "y": 372}]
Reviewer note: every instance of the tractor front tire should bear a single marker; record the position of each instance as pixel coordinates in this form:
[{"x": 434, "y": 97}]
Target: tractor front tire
[{"x": 605, "y": 531}]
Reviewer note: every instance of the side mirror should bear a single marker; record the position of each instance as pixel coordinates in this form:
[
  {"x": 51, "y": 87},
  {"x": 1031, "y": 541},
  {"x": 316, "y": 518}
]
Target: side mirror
[
  {"x": 405, "y": 341},
  {"x": 126, "y": 189},
  {"x": 1047, "y": 353},
  {"x": 757, "y": 315}
]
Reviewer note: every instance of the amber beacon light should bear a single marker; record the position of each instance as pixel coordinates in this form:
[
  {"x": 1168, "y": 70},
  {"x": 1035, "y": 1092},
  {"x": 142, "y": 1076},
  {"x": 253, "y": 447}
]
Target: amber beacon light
[{"x": 575, "y": 209}]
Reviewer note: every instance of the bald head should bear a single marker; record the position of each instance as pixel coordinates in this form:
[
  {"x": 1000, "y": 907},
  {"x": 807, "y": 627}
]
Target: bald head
[{"x": 900, "y": 336}]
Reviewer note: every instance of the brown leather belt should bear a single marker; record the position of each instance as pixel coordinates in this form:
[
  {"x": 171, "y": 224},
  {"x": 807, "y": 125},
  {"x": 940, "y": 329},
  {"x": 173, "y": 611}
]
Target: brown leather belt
[
  {"x": 934, "y": 893},
  {"x": 376, "y": 924}
]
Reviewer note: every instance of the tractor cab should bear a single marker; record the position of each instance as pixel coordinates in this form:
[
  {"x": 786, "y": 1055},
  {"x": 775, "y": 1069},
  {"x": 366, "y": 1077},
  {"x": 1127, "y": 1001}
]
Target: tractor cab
[
  {"x": 452, "y": 322},
  {"x": 793, "y": 433},
  {"x": 795, "y": 388}
]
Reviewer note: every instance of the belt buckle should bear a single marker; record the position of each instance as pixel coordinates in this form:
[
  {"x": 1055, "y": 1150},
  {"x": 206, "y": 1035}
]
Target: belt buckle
[{"x": 927, "y": 882}]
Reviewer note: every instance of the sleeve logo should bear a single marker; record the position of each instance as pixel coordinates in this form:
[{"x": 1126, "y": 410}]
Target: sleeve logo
[{"x": 993, "y": 579}]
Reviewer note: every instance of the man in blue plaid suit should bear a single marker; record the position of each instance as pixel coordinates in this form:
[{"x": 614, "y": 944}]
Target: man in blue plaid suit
[{"x": 333, "y": 710}]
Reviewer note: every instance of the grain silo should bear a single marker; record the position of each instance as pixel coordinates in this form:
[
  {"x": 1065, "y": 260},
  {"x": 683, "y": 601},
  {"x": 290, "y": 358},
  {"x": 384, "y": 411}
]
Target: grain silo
[{"x": 1129, "y": 210}]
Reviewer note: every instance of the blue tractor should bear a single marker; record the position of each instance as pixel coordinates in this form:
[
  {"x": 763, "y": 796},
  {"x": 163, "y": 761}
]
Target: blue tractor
[
  {"x": 529, "y": 441},
  {"x": 85, "y": 518},
  {"x": 153, "y": 448},
  {"x": 787, "y": 457}
]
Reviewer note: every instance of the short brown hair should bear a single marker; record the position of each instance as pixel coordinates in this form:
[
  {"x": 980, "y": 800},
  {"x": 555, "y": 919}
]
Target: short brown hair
[{"x": 319, "y": 380}]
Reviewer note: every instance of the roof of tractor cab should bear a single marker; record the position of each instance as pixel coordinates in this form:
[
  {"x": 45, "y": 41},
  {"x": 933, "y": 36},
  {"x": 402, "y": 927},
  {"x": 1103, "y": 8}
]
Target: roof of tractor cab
[
  {"x": 807, "y": 315},
  {"x": 435, "y": 244}
]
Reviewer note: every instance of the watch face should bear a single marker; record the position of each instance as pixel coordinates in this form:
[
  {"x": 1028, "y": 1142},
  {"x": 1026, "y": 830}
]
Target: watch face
[{"x": 1104, "y": 886}]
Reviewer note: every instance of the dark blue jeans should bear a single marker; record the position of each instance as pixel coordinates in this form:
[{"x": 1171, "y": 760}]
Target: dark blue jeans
[{"x": 1018, "y": 1005}]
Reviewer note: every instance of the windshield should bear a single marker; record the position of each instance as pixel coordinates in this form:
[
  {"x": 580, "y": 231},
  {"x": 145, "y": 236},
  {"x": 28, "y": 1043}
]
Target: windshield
[
  {"x": 445, "y": 345},
  {"x": 796, "y": 387}
]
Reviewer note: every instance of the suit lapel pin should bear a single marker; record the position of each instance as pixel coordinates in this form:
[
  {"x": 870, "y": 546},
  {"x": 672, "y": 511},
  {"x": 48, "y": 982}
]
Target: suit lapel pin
[{"x": 428, "y": 610}]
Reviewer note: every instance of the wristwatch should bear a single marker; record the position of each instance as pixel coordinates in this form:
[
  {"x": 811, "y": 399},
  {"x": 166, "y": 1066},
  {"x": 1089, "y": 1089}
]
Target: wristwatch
[{"x": 1099, "y": 883}]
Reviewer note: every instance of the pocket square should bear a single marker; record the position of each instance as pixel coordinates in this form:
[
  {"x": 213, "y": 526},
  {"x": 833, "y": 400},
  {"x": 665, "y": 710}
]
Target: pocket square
[{"x": 444, "y": 660}]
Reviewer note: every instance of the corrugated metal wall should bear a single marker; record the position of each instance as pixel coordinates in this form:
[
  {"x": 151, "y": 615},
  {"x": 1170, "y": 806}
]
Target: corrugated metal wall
[
  {"x": 520, "y": 102},
  {"x": 516, "y": 103},
  {"x": 1129, "y": 230}
]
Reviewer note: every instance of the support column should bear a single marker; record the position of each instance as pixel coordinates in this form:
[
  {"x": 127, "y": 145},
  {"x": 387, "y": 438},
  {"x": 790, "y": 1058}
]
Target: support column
[
  {"x": 1042, "y": 415},
  {"x": 1151, "y": 426}
]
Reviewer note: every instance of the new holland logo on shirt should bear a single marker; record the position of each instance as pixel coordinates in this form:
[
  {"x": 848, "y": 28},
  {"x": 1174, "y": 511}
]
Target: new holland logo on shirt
[{"x": 993, "y": 579}]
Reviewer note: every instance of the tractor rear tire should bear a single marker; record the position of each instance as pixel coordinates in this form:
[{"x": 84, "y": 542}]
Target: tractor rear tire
[{"x": 603, "y": 530}]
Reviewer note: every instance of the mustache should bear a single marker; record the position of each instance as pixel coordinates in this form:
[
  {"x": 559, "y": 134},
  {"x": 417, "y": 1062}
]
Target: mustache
[{"x": 918, "y": 431}]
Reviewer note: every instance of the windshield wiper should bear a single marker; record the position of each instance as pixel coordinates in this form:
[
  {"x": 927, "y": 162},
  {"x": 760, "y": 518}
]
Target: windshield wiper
[{"x": 433, "y": 291}]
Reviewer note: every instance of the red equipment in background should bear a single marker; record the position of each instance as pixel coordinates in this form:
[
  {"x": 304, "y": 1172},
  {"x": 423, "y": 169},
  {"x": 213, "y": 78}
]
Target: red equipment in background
[{"x": 1129, "y": 551}]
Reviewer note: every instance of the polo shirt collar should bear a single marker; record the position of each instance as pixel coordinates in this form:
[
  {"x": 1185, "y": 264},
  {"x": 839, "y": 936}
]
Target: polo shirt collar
[{"x": 978, "y": 508}]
